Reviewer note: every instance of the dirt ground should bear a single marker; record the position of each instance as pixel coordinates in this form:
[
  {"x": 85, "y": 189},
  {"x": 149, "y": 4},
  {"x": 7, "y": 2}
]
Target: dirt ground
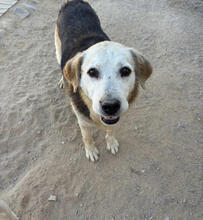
[{"x": 157, "y": 174}]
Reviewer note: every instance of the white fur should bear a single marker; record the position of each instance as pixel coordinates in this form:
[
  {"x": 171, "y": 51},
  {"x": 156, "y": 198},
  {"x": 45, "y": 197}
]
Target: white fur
[
  {"x": 57, "y": 46},
  {"x": 92, "y": 153},
  {"x": 107, "y": 57},
  {"x": 112, "y": 144}
]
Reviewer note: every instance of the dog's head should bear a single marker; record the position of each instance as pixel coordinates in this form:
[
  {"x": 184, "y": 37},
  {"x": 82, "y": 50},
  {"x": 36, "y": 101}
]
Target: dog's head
[{"x": 109, "y": 74}]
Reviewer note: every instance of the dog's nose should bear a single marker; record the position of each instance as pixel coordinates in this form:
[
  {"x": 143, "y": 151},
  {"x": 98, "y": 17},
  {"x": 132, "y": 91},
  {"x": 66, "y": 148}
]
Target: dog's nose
[{"x": 110, "y": 107}]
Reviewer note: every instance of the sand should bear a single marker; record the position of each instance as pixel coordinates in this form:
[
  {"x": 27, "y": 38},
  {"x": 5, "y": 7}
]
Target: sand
[{"x": 157, "y": 173}]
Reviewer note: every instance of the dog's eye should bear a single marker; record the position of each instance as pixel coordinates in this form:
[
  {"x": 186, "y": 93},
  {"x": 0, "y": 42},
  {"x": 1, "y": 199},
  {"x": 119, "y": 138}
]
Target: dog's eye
[
  {"x": 125, "y": 71},
  {"x": 93, "y": 73}
]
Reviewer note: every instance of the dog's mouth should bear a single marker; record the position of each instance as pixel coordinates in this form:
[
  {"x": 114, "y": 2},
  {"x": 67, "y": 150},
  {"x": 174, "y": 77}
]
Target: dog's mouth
[{"x": 110, "y": 120}]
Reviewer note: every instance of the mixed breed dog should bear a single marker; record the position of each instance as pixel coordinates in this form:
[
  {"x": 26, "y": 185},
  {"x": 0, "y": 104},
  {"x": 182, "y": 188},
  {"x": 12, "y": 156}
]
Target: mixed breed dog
[{"x": 101, "y": 77}]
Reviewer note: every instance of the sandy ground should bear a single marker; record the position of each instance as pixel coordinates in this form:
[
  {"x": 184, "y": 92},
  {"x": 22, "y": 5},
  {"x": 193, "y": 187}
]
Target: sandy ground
[{"x": 158, "y": 171}]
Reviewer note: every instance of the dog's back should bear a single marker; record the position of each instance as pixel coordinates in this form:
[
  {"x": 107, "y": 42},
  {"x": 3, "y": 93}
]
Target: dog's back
[{"x": 78, "y": 28}]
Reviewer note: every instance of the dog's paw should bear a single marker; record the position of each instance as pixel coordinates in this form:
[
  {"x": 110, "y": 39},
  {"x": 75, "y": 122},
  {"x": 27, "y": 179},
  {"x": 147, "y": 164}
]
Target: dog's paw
[
  {"x": 112, "y": 144},
  {"x": 92, "y": 154},
  {"x": 61, "y": 83}
]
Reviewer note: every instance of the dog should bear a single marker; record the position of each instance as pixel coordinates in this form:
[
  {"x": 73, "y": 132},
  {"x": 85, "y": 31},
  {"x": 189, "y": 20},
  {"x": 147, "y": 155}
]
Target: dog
[{"x": 101, "y": 77}]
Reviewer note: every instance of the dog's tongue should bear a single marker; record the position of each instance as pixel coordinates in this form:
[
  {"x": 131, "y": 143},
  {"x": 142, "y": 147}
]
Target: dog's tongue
[{"x": 109, "y": 120}]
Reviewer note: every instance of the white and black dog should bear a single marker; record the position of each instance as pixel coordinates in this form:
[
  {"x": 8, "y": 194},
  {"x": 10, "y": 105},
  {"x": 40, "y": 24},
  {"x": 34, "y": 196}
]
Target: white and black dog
[{"x": 103, "y": 76}]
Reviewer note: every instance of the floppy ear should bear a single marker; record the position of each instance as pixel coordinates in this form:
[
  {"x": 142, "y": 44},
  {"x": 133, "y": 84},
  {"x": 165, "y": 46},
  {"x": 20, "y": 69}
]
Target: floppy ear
[
  {"x": 143, "y": 67},
  {"x": 72, "y": 71}
]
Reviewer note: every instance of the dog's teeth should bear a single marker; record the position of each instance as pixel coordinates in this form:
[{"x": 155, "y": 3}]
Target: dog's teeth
[{"x": 110, "y": 118}]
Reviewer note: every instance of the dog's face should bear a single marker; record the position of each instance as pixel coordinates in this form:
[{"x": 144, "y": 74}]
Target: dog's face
[
  {"x": 107, "y": 79},
  {"x": 107, "y": 73}
]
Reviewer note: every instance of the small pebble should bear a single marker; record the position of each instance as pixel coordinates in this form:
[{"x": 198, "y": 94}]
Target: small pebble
[
  {"x": 181, "y": 125},
  {"x": 63, "y": 142},
  {"x": 76, "y": 212},
  {"x": 189, "y": 148},
  {"x": 77, "y": 194},
  {"x": 52, "y": 198}
]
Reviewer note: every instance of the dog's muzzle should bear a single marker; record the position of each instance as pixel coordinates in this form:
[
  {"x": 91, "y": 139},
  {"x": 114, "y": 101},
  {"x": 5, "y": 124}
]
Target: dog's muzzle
[{"x": 110, "y": 109}]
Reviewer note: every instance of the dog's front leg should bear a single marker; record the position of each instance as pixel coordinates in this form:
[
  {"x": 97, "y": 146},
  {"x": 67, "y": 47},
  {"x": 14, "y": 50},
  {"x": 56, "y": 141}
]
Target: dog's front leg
[
  {"x": 112, "y": 143},
  {"x": 92, "y": 152}
]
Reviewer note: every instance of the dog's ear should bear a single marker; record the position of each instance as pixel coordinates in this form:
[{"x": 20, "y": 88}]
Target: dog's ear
[
  {"x": 72, "y": 70},
  {"x": 143, "y": 68}
]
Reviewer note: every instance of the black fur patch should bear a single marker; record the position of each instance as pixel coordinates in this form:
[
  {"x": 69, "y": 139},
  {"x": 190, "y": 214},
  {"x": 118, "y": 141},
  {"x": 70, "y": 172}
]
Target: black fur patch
[
  {"x": 79, "y": 28},
  {"x": 78, "y": 101}
]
